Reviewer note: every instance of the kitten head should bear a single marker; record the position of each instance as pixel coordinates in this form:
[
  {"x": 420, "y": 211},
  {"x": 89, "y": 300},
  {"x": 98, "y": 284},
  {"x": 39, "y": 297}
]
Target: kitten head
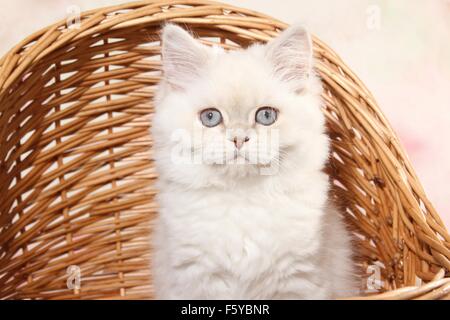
[{"x": 233, "y": 117}]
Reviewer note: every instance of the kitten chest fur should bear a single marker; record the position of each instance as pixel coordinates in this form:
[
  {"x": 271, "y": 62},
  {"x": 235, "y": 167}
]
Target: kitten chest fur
[{"x": 242, "y": 243}]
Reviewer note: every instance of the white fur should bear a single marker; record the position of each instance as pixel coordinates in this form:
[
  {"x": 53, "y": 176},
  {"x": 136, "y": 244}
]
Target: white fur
[{"x": 227, "y": 231}]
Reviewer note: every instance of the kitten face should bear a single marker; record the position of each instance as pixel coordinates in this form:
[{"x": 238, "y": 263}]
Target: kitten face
[{"x": 229, "y": 115}]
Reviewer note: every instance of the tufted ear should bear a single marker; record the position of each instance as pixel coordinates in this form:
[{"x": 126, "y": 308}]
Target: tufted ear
[
  {"x": 291, "y": 55},
  {"x": 182, "y": 56}
]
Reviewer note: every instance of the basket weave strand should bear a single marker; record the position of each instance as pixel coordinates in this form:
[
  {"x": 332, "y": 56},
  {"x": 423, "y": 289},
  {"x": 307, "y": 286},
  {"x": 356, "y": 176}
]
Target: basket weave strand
[{"x": 76, "y": 170}]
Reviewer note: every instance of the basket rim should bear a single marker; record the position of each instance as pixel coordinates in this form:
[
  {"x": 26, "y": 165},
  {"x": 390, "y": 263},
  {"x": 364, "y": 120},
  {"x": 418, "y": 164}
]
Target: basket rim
[{"x": 44, "y": 32}]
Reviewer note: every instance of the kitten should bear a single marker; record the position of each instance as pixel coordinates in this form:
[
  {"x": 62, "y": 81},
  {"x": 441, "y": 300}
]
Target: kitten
[{"x": 240, "y": 147}]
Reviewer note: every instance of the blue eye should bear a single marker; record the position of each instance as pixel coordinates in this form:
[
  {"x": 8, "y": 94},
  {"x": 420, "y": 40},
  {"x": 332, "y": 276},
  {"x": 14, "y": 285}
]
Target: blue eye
[
  {"x": 210, "y": 117},
  {"x": 266, "y": 116}
]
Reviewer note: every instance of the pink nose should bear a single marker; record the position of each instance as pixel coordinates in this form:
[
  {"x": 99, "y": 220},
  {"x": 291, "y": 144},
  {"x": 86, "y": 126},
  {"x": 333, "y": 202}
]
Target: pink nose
[{"x": 238, "y": 142}]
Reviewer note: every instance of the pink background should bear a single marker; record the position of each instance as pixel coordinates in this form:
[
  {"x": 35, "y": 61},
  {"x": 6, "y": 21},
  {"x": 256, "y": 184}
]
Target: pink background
[{"x": 399, "y": 48}]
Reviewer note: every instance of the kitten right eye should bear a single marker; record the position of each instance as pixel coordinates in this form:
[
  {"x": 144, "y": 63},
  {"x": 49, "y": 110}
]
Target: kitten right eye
[
  {"x": 210, "y": 117},
  {"x": 266, "y": 116}
]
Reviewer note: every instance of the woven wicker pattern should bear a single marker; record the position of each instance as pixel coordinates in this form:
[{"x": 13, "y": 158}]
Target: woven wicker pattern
[{"x": 76, "y": 173}]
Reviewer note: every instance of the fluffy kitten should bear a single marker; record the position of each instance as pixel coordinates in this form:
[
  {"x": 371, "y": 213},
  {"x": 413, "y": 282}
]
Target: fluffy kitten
[{"x": 240, "y": 148}]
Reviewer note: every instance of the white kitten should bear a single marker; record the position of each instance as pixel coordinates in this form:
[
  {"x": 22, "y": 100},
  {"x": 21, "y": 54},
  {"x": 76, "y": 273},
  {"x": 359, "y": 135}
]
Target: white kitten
[{"x": 240, "y": 148}]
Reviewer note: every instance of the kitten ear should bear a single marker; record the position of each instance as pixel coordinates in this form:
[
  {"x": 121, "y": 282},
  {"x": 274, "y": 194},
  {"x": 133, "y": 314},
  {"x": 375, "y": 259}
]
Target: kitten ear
[
  {"x": 291, "y": 55},
  {"x": 182, "y": 56}
]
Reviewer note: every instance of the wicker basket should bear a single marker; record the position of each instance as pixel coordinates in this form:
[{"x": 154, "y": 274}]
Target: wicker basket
[{"x": 76, "y": 175}]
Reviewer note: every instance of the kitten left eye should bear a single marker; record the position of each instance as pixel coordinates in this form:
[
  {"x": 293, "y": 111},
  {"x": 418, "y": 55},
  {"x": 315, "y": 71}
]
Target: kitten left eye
[
  {"x": 266, "y": 116},
  {"x": 210, "y": 117}
]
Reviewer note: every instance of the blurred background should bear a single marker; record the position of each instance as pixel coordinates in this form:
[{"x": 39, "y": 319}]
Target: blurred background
[{"x": 399, "y": 48}]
